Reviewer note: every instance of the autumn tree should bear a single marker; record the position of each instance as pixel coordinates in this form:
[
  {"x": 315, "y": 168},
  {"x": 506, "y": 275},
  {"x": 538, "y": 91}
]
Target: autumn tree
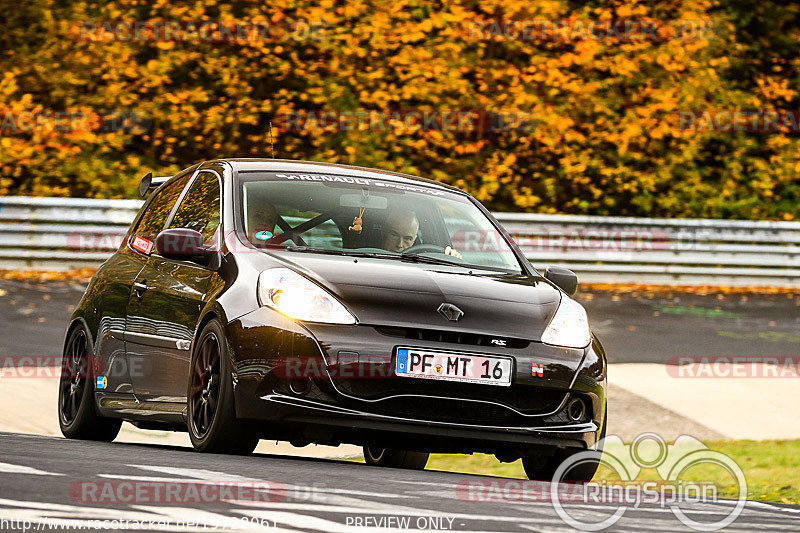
[{"x": 567, "y": 123}]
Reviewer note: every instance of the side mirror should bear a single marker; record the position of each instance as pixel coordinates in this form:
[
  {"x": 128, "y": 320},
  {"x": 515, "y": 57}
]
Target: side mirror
[
  {"x": 183, "y": 244},
  {"x": 564, "y": 278}
]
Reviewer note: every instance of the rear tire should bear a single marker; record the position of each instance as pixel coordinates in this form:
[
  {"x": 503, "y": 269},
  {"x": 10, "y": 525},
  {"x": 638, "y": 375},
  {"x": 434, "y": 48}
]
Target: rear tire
[
  {"x": 212, "y": 423},
  {"x": 77, "y": 415},
  {"x": 543, "y": 468},
  {"x": 394, "y": 458}
]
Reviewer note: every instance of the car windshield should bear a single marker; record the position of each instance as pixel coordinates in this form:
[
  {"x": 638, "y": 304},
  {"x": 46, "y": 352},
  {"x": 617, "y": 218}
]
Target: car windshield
[{"x": 337, "y": 214}]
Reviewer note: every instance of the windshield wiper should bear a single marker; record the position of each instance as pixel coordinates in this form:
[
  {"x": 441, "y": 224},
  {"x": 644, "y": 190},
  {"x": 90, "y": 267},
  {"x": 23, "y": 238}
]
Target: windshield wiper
[
  {"x": 311, "y": 249},
  {"x": 329, "y": 251},
  {"x": 417, "y": 258}
]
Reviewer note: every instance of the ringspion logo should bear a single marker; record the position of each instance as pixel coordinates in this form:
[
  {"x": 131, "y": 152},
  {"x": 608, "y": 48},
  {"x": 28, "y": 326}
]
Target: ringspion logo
[
  {"x": 671, "y": 462},
  {"x": 617, "y": 485}
]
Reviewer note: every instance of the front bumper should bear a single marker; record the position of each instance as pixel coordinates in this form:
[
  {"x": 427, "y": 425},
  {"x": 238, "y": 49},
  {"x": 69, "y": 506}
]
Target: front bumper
[{"x": 366, "y": 405}]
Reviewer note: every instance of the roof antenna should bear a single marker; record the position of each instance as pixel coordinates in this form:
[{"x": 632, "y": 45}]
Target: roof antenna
[{"x": 271, "y": 142}]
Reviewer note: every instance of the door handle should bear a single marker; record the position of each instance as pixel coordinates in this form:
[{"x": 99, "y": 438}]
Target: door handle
[{"x": 140, "y": 287}]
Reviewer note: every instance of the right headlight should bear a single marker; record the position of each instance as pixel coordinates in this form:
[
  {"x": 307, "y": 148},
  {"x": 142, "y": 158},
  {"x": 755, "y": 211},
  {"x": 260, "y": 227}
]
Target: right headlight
[
  {"x": 293, "y": 295},
  {"x": 569, "y": 326}
]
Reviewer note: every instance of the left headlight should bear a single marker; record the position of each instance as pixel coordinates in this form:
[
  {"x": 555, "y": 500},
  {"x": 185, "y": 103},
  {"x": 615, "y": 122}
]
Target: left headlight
[
  {"x": 569, "y": 326},
  {"x": 293, "y": 295}
]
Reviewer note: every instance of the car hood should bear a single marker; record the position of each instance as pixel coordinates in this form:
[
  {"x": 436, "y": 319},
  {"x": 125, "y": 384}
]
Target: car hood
[{"x": 383, "y": 292}]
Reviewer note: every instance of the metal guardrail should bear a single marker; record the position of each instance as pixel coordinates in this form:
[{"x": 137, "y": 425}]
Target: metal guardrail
[
  {"x": 64, "y": 233},
  {"x": 662, "y": 251},
  {"x": 61, "y": 233}
]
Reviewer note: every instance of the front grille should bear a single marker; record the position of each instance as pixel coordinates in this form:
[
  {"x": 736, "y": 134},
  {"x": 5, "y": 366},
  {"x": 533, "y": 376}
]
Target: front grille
[
  {"x": 453, "y": 337},
  {"x": 526, "y": 399},
  {"x": 453, "y": 411}
]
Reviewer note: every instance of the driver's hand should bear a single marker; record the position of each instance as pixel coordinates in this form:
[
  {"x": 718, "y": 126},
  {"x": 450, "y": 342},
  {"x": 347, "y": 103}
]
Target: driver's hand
[{"x": 453, "y": 252}]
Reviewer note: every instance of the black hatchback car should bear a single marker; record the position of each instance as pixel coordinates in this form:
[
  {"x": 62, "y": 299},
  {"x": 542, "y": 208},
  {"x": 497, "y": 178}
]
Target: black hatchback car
[{"x": 320, "y": 303}]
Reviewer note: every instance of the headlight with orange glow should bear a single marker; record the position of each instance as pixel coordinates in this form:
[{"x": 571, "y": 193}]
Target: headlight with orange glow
[{"x": 293, "y": 295}]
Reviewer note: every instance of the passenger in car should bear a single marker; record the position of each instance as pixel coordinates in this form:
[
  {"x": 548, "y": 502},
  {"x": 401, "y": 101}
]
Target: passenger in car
[{"x": 261, "y": 220}]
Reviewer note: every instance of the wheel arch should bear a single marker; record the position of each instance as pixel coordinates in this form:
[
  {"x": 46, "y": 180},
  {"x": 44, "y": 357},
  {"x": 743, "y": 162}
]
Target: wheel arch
[
  {"x": 212, "y": 311},
  {"x": 74, "y": 323}
]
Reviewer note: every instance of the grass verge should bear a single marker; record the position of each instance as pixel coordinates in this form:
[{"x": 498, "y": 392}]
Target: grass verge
[{"x": 772, "y": 469}]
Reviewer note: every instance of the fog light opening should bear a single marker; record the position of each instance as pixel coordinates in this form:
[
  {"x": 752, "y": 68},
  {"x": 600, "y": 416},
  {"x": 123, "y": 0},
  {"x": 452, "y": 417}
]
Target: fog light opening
[
  {"x": 300, "y": 386},
  {"x": 576, "y": 410}
]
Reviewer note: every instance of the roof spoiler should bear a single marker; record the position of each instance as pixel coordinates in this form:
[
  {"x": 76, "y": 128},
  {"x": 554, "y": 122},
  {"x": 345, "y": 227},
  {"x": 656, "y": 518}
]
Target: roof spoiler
[{"x": 149, "y": 183}]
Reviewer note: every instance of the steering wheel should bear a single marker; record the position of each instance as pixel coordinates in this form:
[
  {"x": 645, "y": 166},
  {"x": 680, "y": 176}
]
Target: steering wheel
[{"x": 422, "y": 248}]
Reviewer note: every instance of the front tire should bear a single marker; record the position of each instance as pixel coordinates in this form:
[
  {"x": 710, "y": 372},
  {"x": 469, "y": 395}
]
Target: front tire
[
  {"x": 394, "y": 458},
  {"x": 77, "y": 415},
  {"x": 212, "y": 423}
]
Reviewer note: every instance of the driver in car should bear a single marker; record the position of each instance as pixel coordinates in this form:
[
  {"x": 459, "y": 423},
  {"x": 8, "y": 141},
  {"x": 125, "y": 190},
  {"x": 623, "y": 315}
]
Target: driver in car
[{"x": 400, "y": 233}]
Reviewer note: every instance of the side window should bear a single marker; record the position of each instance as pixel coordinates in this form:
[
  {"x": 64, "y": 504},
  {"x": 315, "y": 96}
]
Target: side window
[
  {"x": 153, "y": 220},
  {"x": 200, "y": 207}
]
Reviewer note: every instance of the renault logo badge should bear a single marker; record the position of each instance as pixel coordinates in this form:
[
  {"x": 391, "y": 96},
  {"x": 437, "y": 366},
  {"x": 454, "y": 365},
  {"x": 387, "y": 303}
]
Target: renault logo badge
[{"x": 450, "y": 312}]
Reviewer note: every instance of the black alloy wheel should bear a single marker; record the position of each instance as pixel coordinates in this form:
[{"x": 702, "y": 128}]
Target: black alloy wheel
[
  {"x": 204, "y": 391},
  {"x": 77, "y": 416},
  {"x": 211, "y": 414}
]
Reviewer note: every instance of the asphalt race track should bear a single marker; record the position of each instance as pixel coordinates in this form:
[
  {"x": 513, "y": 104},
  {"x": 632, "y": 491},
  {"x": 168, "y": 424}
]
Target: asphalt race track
[
  {"x": 57, "y": 484},
  {"x": 52, "y": 481}
]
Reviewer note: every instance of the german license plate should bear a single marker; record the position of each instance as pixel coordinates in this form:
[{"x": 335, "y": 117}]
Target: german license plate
[{"x": 448, "y": 366}]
